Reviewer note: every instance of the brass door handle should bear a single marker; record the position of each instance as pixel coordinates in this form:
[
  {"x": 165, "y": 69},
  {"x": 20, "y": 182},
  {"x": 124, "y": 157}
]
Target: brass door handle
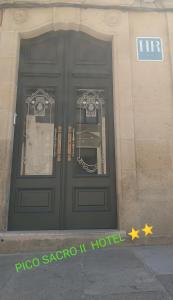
[
  {"x": 73, "y": 142},
  {"x": 55, "y": 140},
  {"x": 57, "y": 143},
  {"x": 69, "y": 148},
  {"x": 59, "y": 138}
]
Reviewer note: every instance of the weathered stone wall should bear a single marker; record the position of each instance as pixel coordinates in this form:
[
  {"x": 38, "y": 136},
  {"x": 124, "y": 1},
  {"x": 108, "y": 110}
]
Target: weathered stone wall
[
  {"x": 143, "y": 102},
  {"x": 153, "y": 118}
]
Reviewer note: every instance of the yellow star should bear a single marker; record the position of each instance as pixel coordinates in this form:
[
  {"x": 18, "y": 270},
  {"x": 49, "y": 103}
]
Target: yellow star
[
  {"x": 147, "y": 229},
  {"x": 134, "y": 234}
]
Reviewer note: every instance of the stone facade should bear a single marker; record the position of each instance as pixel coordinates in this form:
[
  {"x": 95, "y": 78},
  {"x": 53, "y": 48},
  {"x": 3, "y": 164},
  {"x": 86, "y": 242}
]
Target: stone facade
[{"x": 143, "y": 100}]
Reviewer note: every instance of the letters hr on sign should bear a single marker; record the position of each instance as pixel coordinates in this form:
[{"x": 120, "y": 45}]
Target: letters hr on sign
[
  {"x": 62, "y": 254},
  {"x": 149, "y": 49}
]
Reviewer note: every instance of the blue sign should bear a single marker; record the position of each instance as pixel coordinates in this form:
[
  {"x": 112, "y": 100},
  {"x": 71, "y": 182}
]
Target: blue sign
[{"x": 149, "y": 48}]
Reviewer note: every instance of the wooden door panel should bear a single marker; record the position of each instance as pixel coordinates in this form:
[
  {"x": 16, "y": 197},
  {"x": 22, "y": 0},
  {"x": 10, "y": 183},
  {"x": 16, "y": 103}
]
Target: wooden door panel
[
  {"x": 35, "y": 189},
  {"x": 90, "y": 55},
  {"x": 43, "y": 54},
  {"x": 90, "y": 175}
]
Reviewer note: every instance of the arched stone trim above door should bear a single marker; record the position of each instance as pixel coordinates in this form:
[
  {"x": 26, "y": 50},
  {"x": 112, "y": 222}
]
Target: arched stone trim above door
[{"x": 98, "y": 23}]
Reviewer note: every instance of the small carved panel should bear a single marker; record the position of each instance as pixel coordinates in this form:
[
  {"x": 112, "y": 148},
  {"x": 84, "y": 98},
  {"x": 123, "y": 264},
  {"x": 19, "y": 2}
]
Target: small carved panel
[
  {"x": 34, "y": 201},
  {"x": 42, "y": 54},
  {"x": 91, "y": 51},
  {"x": 113, "y": 18},
  {"x": 91, "y": 199},
  {"x": 20, "y": 16},
  {"x": 90, "y": 55}
]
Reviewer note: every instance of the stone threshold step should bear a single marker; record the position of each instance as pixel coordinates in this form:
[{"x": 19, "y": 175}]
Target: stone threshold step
[
  {"x": 35, "y": 241},
  {"x": 31, "y": 241}
]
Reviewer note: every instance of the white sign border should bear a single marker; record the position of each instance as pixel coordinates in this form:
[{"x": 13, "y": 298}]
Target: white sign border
[{"x": 149, "y": 37}]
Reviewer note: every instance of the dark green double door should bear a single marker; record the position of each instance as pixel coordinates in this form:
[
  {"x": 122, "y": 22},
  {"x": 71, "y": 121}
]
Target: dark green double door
[{"x": 63, "y": 174}]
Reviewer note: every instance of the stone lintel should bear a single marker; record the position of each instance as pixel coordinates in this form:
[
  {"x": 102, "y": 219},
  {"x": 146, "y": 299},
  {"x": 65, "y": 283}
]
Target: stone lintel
[{"x": 126, "y": 5}]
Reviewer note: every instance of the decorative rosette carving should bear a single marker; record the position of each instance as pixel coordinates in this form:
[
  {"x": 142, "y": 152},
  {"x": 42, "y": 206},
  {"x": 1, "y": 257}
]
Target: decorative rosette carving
[
  {"x": 113, "y": 18},
  {"x": 20, "y": 16}
]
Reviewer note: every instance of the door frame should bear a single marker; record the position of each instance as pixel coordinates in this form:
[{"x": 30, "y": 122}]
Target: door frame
[
  {"x": 22, "y": 184},
  {"x": 122, "y": 35}
]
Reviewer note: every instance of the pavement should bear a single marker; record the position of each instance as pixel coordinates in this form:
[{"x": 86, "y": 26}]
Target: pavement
[{"x": 111, "y": 273}]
